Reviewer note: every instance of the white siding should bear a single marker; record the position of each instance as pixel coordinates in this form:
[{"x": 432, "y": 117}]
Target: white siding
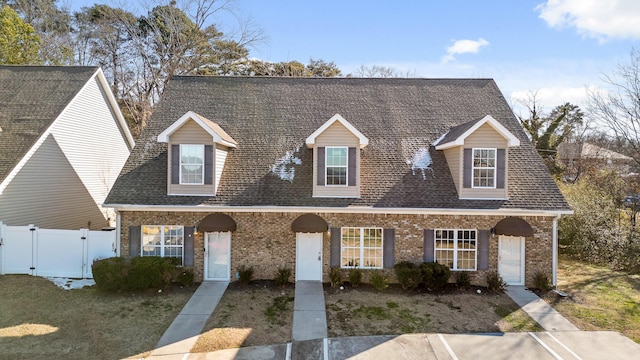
[
  {"x": 454, "y": 160},
  {"x": 88, "y": 133},
  {"x": 220, "y": 157},
  {"x": 47, "y": 192},
  {"x": 486, "y": 137}
]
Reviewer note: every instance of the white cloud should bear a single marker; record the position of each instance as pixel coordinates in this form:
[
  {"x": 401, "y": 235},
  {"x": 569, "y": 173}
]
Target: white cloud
[
  {"x": 463, "y": 47},
  {"x": 594, "y": 18}
]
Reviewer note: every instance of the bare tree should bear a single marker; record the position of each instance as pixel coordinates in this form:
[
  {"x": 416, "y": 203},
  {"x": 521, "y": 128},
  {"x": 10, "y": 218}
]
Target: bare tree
[
  {"x": 379, "y": 71},
  {"x": 618, "y": 109}
]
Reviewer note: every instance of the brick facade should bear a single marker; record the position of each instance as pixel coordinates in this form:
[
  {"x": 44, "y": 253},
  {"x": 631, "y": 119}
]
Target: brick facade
[{"x": 265, "y": 241}]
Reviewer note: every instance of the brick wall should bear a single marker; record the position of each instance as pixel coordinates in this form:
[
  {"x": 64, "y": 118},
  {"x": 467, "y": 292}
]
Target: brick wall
[{"x": 266, "y": 242}]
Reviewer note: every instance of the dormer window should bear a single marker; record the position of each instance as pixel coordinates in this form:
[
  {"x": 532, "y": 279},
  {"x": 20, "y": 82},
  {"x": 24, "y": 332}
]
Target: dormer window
[
  {"x": 484, "y": 168},
  {"x": 336, "y": 166},
  {"x": 191, "y": 164},
  {"x": 196, "y": 153},
  {"x": 336, "y": 157}
]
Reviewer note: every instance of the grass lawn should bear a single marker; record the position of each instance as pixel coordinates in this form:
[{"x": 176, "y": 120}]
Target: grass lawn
[
  {"x": 38, "y": 320},
  {"x": 599, "y": 298}
]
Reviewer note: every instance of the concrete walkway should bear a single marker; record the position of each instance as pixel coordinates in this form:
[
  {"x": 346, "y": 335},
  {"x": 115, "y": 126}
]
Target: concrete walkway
[
  {"x": 539, "y": 310},
  {"x": 309, "y": 313},
  {"x": 183, "y": 332}
]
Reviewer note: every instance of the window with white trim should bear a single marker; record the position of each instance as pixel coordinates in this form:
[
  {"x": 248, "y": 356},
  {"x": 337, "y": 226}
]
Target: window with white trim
[
  {"x": 163, "y": 241},
  {"x": 484, "y": 168},
  {"x": 361, "y": 248},
  {"x": 456, "y": 248},
  {"x": 191, "y": 164},
  {"x": 336, "y": 165}
]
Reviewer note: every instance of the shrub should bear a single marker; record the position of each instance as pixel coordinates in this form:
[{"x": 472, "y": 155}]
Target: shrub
[
  {"x": 541, "y": 281},
  {"x": 110, "y": 274},
  {"x": 409, "y": 274},
  {"x": 185, "y": 276},
  {"x": 150, "y": 272},
  {"x": 378, "y": 280},
  {"x": 355, "y": 277},
  {"x": 335, "y": 276},
  {"x": 495, "y": 283},
  {"x": 434, "y": 275},
  {"x": 463, "y": 280},
  {"x": 245, "y": 274},
  {"x": 283, "y": 275}
]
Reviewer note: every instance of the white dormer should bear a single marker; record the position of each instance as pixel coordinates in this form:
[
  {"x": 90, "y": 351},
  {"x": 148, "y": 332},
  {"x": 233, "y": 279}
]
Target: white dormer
[
  {"x": 197, "y": 151},
  {"x": 477, "y": 155},
  {"x": 336, "y": 157}
]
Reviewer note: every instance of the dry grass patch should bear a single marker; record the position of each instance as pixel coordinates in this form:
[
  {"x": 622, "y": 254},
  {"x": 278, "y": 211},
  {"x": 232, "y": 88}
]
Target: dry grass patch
[
  {"x": 248, "y": 315},
  {"x": 38, "y": 320},
  {"x": 599, "y": 298},
  {"x": 363, "y": 311}
]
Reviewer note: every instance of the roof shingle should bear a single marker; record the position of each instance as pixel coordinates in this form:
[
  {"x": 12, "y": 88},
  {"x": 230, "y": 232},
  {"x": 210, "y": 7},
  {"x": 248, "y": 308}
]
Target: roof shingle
[{"x": 270, "y": 116}]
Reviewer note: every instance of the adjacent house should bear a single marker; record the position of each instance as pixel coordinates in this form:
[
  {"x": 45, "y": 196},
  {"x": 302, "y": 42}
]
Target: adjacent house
[
  {"x": 312, "y": 173},
  {"x": 63, "y": 142},
  {"x": 577, "y": 157}
]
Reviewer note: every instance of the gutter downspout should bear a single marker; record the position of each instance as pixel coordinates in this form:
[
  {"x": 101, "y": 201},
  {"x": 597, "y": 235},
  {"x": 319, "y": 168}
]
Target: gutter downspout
[
  {"x": 554, "y": 280},
  {"x": 117, "y": 233}
]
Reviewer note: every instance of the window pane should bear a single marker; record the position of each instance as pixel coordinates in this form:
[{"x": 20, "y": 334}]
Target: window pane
[
  {"x": 191, "y": 164},
  {"x": 336, "y": 156},
  {"x": 336, "y": 176},
  {"x": 361, "y": 247}
]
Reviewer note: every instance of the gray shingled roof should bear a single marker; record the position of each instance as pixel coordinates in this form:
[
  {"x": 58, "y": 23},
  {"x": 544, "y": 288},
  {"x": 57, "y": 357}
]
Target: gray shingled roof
[
  {"x": 270, "y": 116},
  {"x": 31, "y": 98}
]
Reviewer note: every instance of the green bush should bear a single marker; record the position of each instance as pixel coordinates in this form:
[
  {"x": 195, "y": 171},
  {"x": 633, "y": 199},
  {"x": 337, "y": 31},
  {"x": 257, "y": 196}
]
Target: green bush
[
  {"x": 463, "y": 280},
  {"x": 355, "y": 277},
  {"x": 245, "y": 274},
  {"x": 282, "y": 276},
  {"x": 110, "y": 274},
  {"x": 335, "y": 276},
  {"x": 434, "y": 275},
  {"x": 409, "y": 275},
  {"x": 185, "y": 276},
  {"x": 378, "y": 280},
  {"x": 495, "y": 283},
  {"x": 541, "y": 281},
  {"x": 150, "y": 272}
]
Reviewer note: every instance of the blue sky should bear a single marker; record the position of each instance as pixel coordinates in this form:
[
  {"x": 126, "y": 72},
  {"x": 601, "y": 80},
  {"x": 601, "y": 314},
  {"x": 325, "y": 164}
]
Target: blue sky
[{"x": 555, "y": 47}]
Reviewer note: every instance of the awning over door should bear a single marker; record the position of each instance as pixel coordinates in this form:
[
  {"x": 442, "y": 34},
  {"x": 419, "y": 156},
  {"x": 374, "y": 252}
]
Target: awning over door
[
  {"x": 217, "y": 222},
  {"x": 513, "y": 226},
  {"x": 309, "y": 223}
]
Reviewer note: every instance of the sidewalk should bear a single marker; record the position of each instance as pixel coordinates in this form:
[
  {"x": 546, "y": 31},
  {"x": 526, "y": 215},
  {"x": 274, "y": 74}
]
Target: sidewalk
[
  {"x": 309, "y": 313},
  {"x": 539, "y": 310},
  {"x": 183, "y": 332}
]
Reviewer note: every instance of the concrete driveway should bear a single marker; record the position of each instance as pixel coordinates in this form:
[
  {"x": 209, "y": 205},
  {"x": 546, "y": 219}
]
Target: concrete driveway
[{"x": 561, "y": 345}]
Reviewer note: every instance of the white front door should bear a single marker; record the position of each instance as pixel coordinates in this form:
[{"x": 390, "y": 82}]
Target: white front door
[
  {"x": 217, "y": 256},
  {"x": 309, "y": 256},
  {"x": 511, "y": 259}
]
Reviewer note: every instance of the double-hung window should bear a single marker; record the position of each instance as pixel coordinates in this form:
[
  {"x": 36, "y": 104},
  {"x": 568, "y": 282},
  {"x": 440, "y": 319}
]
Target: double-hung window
[
  {"x": 484, "y": 168},
  {"x": 191, "y": 164},
  {"x": 456, "y": 248},
  {"x": 361, "y": 247},
  {"x": 162, "y": 240},
  {"x": 336, "y": 166}
]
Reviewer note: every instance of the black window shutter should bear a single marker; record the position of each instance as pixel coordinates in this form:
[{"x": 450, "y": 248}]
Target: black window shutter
[
  {"x": 483, "y": 249},
  {"x": 429, "y": 255},
  {"x": 500, "y": 172},
  {"x": 352, "y": 166},
  {"x": 467, "y": 171},
  {"x": 175, "y": 164},
  {"x": 188, "y": 246},
  {"x": 321, "y": 178},
  {"x": 335, "y": 246},
  {"x": 135, "y": 238},
  {"x": 208, "y": 164},
  {"x": 388, "y": 252}
]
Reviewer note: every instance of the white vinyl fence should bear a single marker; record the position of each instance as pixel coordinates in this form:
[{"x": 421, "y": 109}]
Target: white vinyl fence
[{"x": 56, "y": 253}]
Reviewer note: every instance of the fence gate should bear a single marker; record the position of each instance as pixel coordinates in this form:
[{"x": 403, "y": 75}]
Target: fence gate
[{"x": 50, "y": 252}]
